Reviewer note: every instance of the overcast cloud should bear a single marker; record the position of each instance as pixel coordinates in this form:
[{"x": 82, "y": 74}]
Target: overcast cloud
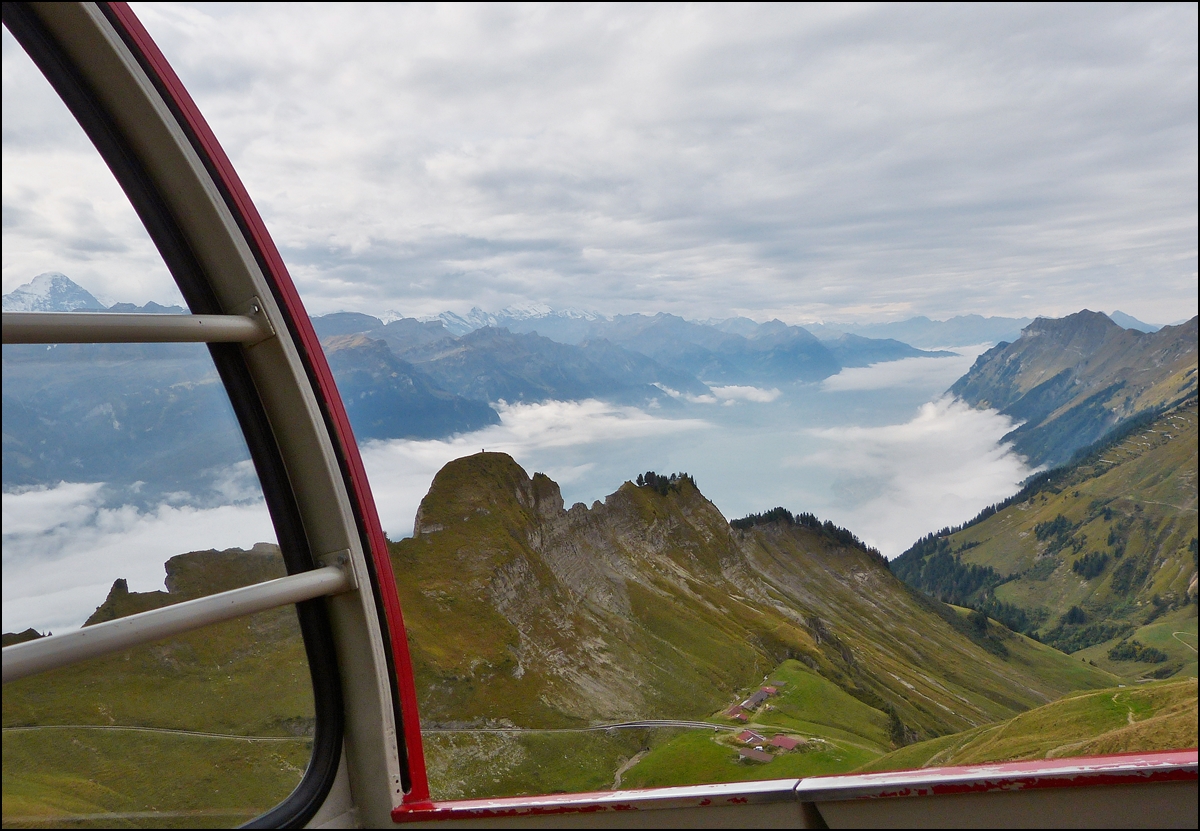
[{"x": 806, "y": 162}]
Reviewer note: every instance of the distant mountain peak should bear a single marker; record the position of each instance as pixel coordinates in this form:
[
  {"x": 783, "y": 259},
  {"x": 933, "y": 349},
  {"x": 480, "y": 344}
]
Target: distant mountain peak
[
  {"x": 1070, "y": 380},
  {"x": 477, "y": 318},
  {"x": 51, "y": 291},
  {"x": 1084, "y": 321},
  {"x": 1130, "y": 322}
]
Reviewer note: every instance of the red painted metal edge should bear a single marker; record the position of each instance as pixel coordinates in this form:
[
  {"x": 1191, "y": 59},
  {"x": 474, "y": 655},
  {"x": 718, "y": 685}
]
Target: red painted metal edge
[
  {"x": 1078, "y": 772},
  {"x": 327, "y": 394}
]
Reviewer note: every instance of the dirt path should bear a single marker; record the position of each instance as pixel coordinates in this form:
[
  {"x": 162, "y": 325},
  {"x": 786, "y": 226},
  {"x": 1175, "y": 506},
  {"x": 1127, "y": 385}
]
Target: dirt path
[
  {"x": 623, "y": 725},
  {"x": 633, "y": 760},
  {"x": 166, "y": 730},
  {"x": 1176, "y": 635}
]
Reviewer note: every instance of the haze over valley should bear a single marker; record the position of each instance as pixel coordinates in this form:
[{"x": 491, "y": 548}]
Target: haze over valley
[
  {"x": 856, "y": 429},
  {"x": 153, "y": 455}
]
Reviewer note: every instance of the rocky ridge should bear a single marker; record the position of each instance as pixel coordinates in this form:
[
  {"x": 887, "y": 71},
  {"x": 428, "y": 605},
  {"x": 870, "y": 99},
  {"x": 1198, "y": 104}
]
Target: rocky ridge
[
  {"x": 1071, "y": 380},
  {"x": 650, "y": 604}
]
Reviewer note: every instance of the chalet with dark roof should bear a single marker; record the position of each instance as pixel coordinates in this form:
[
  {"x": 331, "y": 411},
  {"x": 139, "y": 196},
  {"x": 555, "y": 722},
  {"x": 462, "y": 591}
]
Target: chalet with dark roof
[{"x": 754, "y": 700}]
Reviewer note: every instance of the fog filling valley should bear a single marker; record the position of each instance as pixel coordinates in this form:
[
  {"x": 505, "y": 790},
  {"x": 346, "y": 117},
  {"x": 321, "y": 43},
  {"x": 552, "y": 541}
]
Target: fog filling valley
[{"x": 877, "y": 449}]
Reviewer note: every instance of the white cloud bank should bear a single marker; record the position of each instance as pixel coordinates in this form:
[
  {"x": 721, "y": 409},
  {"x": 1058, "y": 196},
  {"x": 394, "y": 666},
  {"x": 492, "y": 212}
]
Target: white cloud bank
[
  {"x": 893, "y": 484},
  {"x": 563, "y": 439},
  {"x": 63, "y": 549},
  {"x": 920, "y": 372},
  {"x": 754, "y": 394},
  {"x": 889, "y": 484}
]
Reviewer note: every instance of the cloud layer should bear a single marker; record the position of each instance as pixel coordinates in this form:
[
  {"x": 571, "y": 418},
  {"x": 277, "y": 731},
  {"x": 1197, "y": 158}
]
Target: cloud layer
[
  {"x": 893, "y": 484},
  {"x": 63, "y": 548},
  {"x": 871, "y": 458},
  {"x": 798, "y": 161}
]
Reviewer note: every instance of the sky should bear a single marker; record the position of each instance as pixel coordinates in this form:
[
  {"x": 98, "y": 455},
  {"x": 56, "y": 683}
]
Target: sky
[{"x": 807, "y": 162}]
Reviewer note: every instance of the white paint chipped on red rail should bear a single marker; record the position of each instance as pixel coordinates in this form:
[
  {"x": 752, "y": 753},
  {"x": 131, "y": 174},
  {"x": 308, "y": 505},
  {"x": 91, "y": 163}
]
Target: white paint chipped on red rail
[{"x": 1086, "y": 771}]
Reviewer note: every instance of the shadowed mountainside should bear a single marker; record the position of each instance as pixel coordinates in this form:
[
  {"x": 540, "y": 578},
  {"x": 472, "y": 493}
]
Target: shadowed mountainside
[
  {"x": 387, "y": 397},
  {"x": 1071, "y": 380}
]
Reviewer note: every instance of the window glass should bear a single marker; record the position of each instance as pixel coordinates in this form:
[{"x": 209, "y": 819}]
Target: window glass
[{"x": 127, "y": 486}]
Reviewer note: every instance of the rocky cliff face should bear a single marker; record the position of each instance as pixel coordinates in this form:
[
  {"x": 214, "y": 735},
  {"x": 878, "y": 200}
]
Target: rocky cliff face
[
  {"x": 649, "y": 605},
  {"x": 1073, "y": 379}
]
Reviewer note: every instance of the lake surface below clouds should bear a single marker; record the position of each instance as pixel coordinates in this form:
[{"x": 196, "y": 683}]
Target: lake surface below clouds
[{"x": 877, "y": 450}]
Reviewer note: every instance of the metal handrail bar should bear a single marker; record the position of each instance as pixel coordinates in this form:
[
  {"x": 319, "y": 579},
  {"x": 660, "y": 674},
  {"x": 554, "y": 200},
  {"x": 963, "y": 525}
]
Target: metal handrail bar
[
  {"x": 109, "y": 327},
  {"x": 29, "y": 658}
]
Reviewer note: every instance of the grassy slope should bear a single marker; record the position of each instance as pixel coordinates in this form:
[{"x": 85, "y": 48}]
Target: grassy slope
[
  {"x": 843, "y": 733},
  {"x": 1160, "y": 634},
  {"x": 896, "y": 647},
  {"x": 848, "y": 733},
  {"x": 1141, "y": 494},
  {"x": 469, "y": 765},
  {"x": 206, "y": 781},
  {"x": 1155, "y": 716},
  {"x": 244, "y": 677},
  {"x": 1049, "y": 664}
]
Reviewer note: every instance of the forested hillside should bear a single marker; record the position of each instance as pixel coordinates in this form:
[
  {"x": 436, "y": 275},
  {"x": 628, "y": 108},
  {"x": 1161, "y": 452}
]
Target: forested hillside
[{"x": 1088, "y": 556}]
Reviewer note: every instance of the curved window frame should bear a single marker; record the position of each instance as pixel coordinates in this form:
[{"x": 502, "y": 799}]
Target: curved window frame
[{"x": 119, "y": 87}]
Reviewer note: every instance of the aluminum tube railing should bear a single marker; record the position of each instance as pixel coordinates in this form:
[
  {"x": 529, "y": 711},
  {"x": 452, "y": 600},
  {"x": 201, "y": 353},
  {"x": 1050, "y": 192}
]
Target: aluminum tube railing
[
  {"x": 105, "y": 327},
  {"x": 29, "y": 658}
]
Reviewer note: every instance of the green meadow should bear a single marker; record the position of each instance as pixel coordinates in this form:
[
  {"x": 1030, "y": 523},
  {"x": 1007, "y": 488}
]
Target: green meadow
[
  {"x": 1158, "y": 715},
  {"x": 111, "y": 777}
]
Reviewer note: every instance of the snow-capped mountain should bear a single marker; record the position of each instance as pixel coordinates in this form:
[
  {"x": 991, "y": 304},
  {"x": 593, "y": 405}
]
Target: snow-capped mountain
[
  {"x": 477, "y": 318},
  {"x": 51, "y": 292}
]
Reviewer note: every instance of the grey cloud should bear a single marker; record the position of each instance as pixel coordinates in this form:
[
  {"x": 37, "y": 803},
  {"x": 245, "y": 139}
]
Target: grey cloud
[{"x": 794, "y": 161}]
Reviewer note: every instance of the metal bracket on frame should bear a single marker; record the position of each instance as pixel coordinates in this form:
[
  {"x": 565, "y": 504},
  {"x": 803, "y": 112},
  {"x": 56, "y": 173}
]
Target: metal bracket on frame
[{"x": 341, "y": 560}]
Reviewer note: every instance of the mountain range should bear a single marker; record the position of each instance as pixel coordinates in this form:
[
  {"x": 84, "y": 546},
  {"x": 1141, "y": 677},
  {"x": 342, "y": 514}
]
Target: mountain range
[
  {"x": 650, "y": 604},
  {"x": 661, "y": 350},
  {"x": 78, "y": 412}
]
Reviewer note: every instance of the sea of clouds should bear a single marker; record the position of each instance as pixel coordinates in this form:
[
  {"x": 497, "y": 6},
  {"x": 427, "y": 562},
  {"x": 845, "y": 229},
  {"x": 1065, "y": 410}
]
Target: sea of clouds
[{"x": 890, "y": 459}]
